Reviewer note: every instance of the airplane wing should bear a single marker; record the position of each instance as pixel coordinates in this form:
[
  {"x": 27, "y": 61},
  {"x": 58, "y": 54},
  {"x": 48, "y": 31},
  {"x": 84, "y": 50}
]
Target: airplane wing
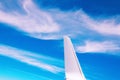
[{"x": 73, "y": 70}]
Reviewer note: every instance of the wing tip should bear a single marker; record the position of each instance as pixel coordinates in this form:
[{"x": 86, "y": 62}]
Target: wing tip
[{"x": 66, "y": 38}]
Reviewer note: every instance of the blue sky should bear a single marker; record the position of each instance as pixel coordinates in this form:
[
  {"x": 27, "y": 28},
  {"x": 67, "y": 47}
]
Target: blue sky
[{"x": 31, "y": 38}]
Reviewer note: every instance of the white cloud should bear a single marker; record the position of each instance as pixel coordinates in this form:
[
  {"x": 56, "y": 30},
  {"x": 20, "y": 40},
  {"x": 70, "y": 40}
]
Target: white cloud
[
  {"x": 108, "y": 26},
  {"x": 42, "y": 62},
  {"x": 35, "y": 21},
  {"x": 71, "y": 22},
  {"x": 75, "y": 23},
  {"x": 54, "y": 24},
  {"x": 92, "y": 46},
  {"x": 51, "y": 24}
]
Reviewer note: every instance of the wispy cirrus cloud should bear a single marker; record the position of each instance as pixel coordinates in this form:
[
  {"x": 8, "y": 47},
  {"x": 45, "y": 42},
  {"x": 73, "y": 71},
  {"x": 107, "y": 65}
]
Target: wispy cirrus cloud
[
  {"x": 102, "y": 47},
  {"x": 33, "y": 22},
  {"x": 110, "y": 26},
  {"x": 54, "y": 23},
  {"x": 78, "y": 22},
  {"x": 40, "y": 61}
]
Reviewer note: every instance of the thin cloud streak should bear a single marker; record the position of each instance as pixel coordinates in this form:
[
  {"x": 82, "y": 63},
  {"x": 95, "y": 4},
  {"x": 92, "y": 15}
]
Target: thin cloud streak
[
  {"x": 106, "y": 26},
  {"x": 102, "y": 47},
  {"x": 30, "y": 58}
]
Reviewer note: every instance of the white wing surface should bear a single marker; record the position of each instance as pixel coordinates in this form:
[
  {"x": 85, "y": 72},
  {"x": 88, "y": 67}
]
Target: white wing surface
[{"x": 73, "y": 70}]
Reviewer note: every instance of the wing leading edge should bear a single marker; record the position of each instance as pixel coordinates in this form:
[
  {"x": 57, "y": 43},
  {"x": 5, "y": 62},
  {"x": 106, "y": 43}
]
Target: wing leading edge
[{"x": 73, "y": 70}]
